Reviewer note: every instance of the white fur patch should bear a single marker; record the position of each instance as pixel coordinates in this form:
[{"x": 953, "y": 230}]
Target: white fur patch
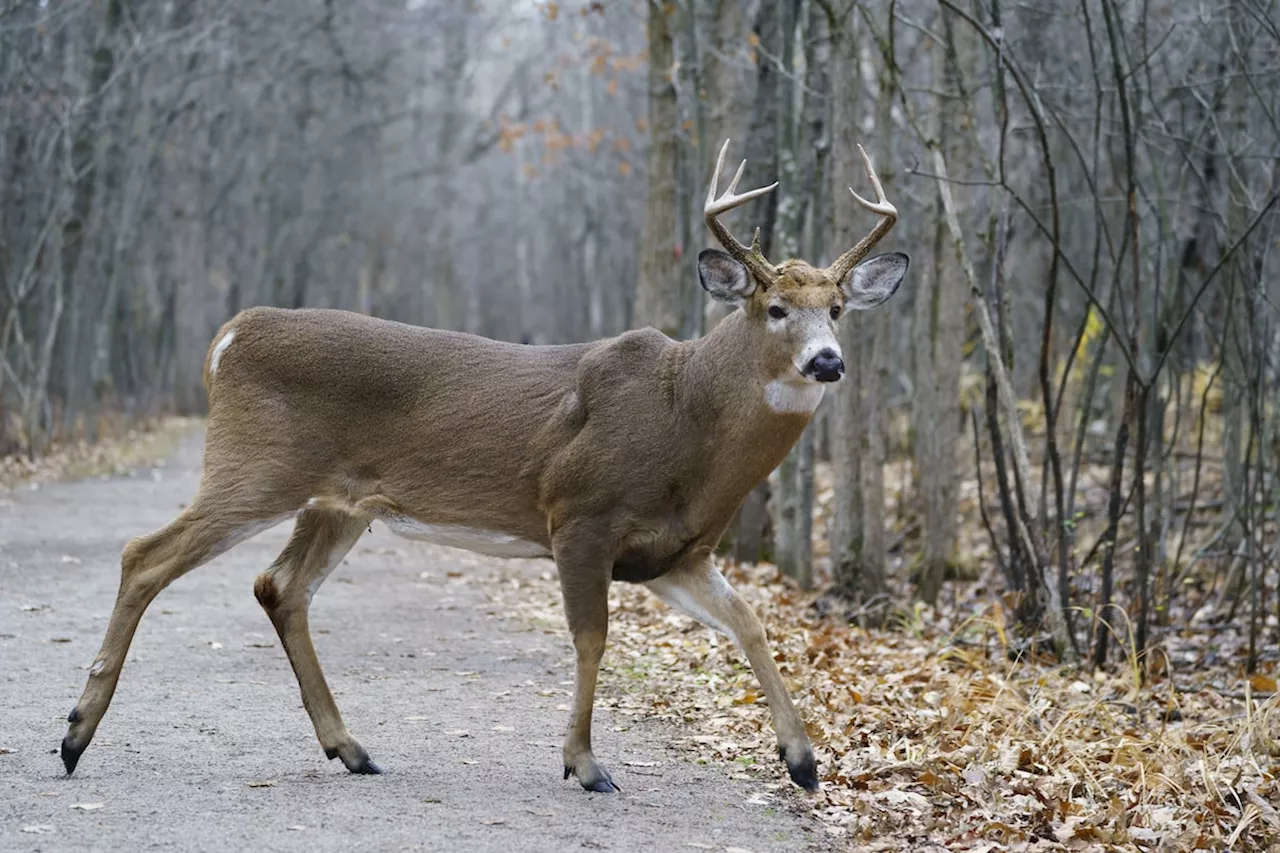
[
  {"x": 787, "y": 396},
  {"x": 335, "y": 558},
  {"x": 219, "y": 348},
  {"x": 821, "y": 339},
  {"x": 488, "y": 542},
  {"x": 677, "y": 595},
  {"x": 246, "y": 532}
]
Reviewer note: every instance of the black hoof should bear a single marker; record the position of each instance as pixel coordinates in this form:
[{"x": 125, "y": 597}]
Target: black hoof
[
  {"x": 367, "y": 768},
  {"x": 804, "y": 770},
  {"x": 361, "y": 764},
  {"x": 71, "y": 753},
  {"x": 602, "y": 786}
]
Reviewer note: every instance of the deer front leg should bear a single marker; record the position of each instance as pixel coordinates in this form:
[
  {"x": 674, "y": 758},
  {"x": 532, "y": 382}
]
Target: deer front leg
[
  {"x": 703, "y": 593},
  {"x": 585, "y": 572}
]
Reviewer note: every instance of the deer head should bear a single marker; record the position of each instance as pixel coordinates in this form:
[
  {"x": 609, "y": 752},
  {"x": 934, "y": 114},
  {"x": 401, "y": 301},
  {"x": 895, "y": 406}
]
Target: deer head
[{"x": 797, "y": 305}]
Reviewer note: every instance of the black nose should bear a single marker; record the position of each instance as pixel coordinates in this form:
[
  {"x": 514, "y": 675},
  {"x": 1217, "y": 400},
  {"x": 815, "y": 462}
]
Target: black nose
[{"x": 826, "y": 366}]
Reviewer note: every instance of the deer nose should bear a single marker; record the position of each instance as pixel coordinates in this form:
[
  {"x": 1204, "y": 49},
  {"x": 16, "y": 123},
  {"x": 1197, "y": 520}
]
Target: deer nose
[{"x": 826, "y": 366}]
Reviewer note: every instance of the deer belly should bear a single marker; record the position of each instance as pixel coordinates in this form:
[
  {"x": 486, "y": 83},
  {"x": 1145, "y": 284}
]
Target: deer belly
[{"x": 489, "y": 542}]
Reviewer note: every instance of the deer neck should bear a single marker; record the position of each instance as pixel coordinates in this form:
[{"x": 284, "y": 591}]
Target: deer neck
[{"x": 757, "y": 410}]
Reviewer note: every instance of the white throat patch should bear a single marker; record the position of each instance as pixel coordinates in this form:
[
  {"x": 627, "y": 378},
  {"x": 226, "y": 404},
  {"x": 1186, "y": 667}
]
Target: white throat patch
[{"x": 789, "y": 397}]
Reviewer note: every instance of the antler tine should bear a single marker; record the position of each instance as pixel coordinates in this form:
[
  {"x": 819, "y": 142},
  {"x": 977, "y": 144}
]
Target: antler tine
[
  {"x": 888, "y": 218},
  {"x": 752, "y": 258}
]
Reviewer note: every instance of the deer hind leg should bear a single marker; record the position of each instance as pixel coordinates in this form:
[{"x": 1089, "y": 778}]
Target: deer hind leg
[
  {"x": 320, "y": 540},
  {"x": 703, "y": 593},
  {"x": 148, "y": 565},
  {"x": 584, "y": 582}
]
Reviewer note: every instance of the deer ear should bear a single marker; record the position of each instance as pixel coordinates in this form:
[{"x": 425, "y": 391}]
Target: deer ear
[
  {"x": 874, "y": 280},
  {"x": 723, "y": 277}
]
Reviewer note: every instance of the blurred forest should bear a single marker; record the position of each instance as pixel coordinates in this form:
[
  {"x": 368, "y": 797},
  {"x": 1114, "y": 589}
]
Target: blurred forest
[{"x": 1070, "y": 407}]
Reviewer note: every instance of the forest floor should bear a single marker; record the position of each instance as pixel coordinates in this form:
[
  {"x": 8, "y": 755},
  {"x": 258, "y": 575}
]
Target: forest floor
[{"x": 932, "y": 735}]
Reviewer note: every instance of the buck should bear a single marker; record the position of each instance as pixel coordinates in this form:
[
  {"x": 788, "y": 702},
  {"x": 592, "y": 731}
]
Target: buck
[{"x": 622, "y": 459}]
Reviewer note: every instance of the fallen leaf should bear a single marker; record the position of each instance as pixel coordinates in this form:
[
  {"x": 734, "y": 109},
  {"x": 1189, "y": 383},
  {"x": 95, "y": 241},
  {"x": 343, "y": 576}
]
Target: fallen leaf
[
  {"x": 39, "y": 828},
  {"x": 87, "y": 807},
  {"x": 264, "y": 783},
  {"x": 1263, "y": 683},
  {"x": 493, "y": 821}
]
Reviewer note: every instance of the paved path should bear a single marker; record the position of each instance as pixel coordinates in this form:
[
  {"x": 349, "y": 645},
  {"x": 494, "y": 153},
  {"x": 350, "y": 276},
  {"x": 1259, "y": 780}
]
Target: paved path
[{"x": 462, "y": 708}]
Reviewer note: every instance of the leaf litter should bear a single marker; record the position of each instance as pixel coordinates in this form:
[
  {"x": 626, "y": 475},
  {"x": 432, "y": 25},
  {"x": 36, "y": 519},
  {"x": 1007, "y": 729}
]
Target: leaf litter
[{"x": 938, "y": 735}]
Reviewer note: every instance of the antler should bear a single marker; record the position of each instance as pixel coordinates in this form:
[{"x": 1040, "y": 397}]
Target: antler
[
  {"x": 753, "y": 259},
  {"x": 888, "y": 216}
]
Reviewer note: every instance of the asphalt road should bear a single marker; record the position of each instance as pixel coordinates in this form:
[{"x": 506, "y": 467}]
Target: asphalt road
[{"x": 207, "y": 746}]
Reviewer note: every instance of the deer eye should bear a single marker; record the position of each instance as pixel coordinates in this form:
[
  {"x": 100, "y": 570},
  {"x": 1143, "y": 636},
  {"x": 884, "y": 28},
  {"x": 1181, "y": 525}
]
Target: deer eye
[
  {"x": 777, "y": 312},
  {"x": 835, "y": 312}
]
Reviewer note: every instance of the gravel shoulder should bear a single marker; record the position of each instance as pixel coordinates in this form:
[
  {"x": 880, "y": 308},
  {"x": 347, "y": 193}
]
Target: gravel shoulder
[{"x": 207, "y": 746}]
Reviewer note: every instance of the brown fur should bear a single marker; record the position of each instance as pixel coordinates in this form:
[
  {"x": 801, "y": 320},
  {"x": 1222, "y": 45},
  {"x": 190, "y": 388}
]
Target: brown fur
[
  {"x": 625, "y": 458},
  {"x": 498, "y": 436}
]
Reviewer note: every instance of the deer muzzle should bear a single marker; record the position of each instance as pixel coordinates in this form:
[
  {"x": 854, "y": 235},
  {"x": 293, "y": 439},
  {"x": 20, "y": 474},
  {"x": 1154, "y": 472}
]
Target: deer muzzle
[{"x": 826, "y": 366}]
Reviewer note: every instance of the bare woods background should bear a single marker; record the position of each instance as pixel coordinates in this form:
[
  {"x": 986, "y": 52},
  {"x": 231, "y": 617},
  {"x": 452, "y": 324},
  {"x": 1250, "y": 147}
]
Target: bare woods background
[{"x": 1072, "y": 403}]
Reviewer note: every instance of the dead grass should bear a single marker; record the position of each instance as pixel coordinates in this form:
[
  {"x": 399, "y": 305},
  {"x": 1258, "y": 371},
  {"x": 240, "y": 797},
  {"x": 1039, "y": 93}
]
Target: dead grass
[
  {"x": 144, "y": 446},
  {"x": 934, "y": 736}
]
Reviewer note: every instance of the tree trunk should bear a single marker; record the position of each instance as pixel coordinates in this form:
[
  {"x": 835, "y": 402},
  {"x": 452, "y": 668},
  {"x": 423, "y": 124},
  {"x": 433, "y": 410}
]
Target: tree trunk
[
  {"x": 658, "y": 301},
  {"x": 939, "y": 341},
  {"x": 856, "y": 540}
]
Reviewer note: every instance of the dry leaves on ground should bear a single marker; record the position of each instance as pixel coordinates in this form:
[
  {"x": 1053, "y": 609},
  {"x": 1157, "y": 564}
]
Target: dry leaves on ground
[
  {"x": 932, "y": 737},
  {"x": 146, "y": 446}
]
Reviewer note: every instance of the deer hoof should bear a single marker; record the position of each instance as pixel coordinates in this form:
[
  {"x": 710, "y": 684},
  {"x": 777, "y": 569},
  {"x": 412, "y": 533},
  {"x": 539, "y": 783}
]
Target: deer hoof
[
  {"x": 71, "y": 752},
  {"x": 355, "y": 759},
  {"x": 603, "y": 786},
  {"x": 593, "y": 777},
  {"x": 803, "y": 769}
]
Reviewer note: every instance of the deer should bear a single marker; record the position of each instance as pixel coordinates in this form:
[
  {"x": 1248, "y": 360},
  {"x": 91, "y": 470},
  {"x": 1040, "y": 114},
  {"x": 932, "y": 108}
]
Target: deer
[{"x": 622, "y": 459}]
